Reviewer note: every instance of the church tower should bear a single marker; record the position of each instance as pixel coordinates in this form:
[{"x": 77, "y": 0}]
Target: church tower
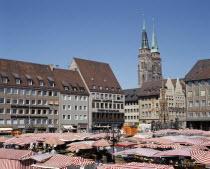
[{"x": 149, "y": 66}]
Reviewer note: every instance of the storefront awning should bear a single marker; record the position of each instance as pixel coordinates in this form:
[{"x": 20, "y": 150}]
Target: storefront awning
[
  {"x": 68, "y": 127},
  {"x": 2, "y": 130}
]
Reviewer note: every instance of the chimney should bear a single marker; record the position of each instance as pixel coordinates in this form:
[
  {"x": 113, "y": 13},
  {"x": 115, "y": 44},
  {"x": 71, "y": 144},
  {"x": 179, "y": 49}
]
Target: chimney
[{"x": 51, "y": 67}]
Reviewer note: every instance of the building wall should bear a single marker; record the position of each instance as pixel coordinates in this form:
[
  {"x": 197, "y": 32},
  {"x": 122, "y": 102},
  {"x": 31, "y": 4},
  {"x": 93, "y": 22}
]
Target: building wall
[
  {"x": 22, "y": 108},
  {"x": 132, "y": 113},
  {"x": 198, "y": 103},
  {"x": 74, "y": 111}
]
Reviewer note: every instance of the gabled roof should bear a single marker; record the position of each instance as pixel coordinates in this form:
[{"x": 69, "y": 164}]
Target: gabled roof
[
  {"x": 25, "y": 71},
  {"x": 99, "y": 75},
  {"x": 131, "y": 95},
  {"x": 201, "y": 70},
  {"x": 66, "y": 78}
]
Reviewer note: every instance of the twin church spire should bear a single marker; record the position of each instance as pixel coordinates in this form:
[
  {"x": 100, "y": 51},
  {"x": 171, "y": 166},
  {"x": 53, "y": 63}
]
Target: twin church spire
[{"x": 145, "y": 43}]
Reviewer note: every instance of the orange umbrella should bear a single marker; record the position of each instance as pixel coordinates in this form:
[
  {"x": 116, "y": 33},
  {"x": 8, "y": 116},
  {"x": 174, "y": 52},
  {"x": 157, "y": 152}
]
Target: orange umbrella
[
  {"x": 3, "y": 139},
  {"x": 101, "y": 143},
  {"x": 54, "y": 141}
]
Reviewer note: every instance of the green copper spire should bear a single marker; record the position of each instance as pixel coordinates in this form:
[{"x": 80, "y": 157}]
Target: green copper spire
[
  {"x": 154, "y": 41},
  {"x": 144, "y": 42}
]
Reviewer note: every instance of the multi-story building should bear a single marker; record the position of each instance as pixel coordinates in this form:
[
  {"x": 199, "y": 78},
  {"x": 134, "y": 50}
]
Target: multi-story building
[
  {"x": 73, "y": 100},
  {"x": 149, "y": 65},
  {"x": 152, "y": 98},
  {"x": 198, "y": 95},
  {"x": 106, "y": 101},
  {"x": 29, "y": 99},
  {"x": 41, "y": 98},
  {"x": 132, "y": 106}
]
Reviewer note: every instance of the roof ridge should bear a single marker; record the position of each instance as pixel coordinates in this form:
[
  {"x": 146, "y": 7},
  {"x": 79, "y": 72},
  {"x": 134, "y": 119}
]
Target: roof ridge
[{"x": 90, "y": 60}]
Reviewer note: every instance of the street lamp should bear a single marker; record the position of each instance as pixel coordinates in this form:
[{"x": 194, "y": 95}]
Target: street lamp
[{"x": 113, "y": 135}]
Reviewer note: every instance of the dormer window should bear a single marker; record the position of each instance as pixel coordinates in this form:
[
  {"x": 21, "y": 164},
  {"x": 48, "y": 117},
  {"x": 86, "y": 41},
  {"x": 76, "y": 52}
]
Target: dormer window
[
  {"x": 66, "y": 88},
  {"x": 94, "y": 87},
  {"x": 75, "y": 88},
  {"x": 40, "y": 79},
  {"x": 4, "y": 77},
  {"x": 100, "y": 87},
  {"x": 51, "y": 81},
  {"x": 82, "y": 89},
  {"x": 107, "y": 88},
  {"x": 30, "y": 82},
  {"x": 118, "y": 89},
  {"x": 65, "y": 85},
  {"x": 112, "y": 88},
  {"x": 17, "y": 78}
]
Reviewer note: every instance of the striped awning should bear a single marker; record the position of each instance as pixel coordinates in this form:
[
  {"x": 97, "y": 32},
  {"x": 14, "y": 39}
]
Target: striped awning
[
  {"x": 135, "y": 165},
  {"x": 125, "y": 144},
  {"x": 13, "y": 154},
  {"x": 172, "y": 153},
  {"x": 201, "y": 156},
  {"x": 159, "y": 140},
  {"x": 62, "y": 161},
  {"x": 172, "y": 146},
  {"x": 22, "y": 141},
  {"x": 147, "y": 152}
]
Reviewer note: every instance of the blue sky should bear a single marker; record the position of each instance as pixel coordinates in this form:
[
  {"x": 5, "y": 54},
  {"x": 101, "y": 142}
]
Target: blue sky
[{"x": 55, "y": 31}]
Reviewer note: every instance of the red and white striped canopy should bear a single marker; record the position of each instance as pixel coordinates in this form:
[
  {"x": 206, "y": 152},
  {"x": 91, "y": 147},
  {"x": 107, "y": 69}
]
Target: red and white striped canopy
[
  {"x": 201, "y": 156},
  {"x": 125, "y": 144},
  {"x": 177, "y": 152},
  {"x": 139, "y": 151},
  {"x": 13, "y": 154},
  {"x": 135, "y": 165},
  {"x": 190, "y": 131},
  {"x": 166, "y": 131},
  {"x": 79, "y": 146},
  {"x": 61, "y": 161},
  {"x": 164, "y": 146},
  {"x": 22, "y": 141},
  {"x": 159, "y": 140}
]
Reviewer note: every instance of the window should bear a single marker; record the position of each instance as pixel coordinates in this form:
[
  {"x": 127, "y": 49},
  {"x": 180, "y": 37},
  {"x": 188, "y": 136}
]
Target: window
[
  {"x": 69, "y": 117},
  {"x": 75, "y": 88},
  {"x": 9, "y": 90},
  {"x": 50, "y": 93},
  {"x": 80, "y": 98},
  {"x": 20, "y": 111},
  {"x": 203, "y": 114},
  {"x": 80, "y": 107},
  {"x": 52, "y": 84},
  {"x": 38, "y": 121},
  {"x": 8, "y": 121},
  {"x": 39, "y": 93},
  {"x": 50, "y": 111},
  {"x": 8, "y": 111},
  {"x": 203, "y": 103},
  {"x": 41, "y": 83},
  {"x": 26, "y": 121},
  {"x": 55, "y": 112},
  {"x": 45, "y": 93},
  {"x": 76, "y": 107},
  {"x": 69, "y": 107},
  {"x": 55, "y": 93},
  {"x": 203, "y": 83},
  {"x": 100, "y": 87},
  {"x": 1, "y": 111},
  {"x": 197, "y": 114},
  {"x": 64, "y": 117},
  {"x": 49, "y": 121},
  {"x": 97, "y": 95},
  {"x": 69, "y": 97},
  {"x": 21, "y": 101},
  {"x": 64, "y": 97},
  {"x": 15, "y": 91},
  {"x": 85, "y": 117},
  {"x": 196, "y": 93},
  {"x": 21, "y": 91},
  {"x": 76, "y": 117},
  {"x": 14, "y": 101},
  {"x": 64, "y": 107},
  {"x": 39, "y": 102},
  {"x": 66, "y": 88},
  {"x": 76, "y": 98},
  {"x": 1, "y": 121},
  {"x": 44, "y": 102},
  {"x": 1, "y": 100},
  {"x": 39, "y": 111},
  {"x": 17, "y": 81},
  {"x": 197, "y": 104},
  {"x": 33, "y": 102},
  {"x": 107, "y": 88},
  {"x": 191, "y": 115},
  {"x": 55, "y": 121},
  {"x": 112, "y": 88},
  {"x": 80, "y": 117},
  {"x": 21, "y": 121},
  {"x": 189, "y": 84},
  {"x": 4, "y": 79},
  {"x": 44, "y": 111},
  {"x": 189, "y": 94},
  {"x": 33, "y": 111},
  {"x": 27, "y": 111},
  {"x": 94, "y": 87},
  {"x": 44, "y": 121},
  {"x": 85, "y": 107},
  {"x": 14, "y": 121},
  {"x": 33, "y": 92},
  {"x": 1, "y": 90},
  {"x": 33, "y": 121},
  {"x": 203, "y": 93},
  {"x": 157, "y": 114},
  {"x": 27, "y": 102},
  {"x": 14, "y": 111},
  {"x": 28, "y": 92},
  {"x": 190, "y": 104},
  {"x": 30, "y": 82},
  {"x": 196, "y": 83}
]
